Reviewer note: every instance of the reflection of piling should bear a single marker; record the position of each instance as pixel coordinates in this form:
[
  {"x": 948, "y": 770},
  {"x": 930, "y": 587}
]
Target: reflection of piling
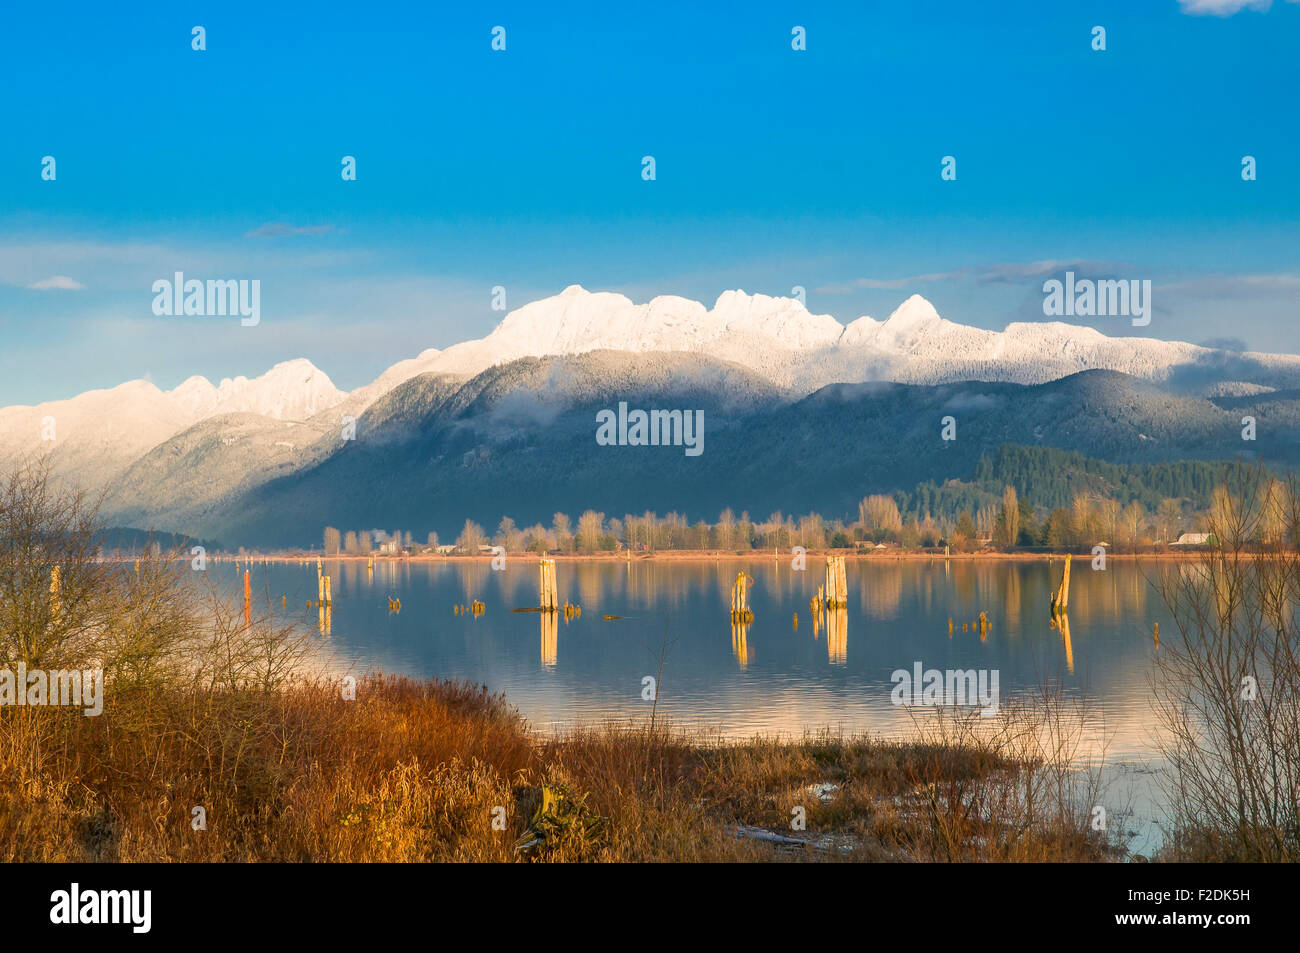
[
  {"x": 549, "y": 601},
  {"x": 740, "y": 642},
  {"x": 837, "y": 586},
  {"x": 1063, "y": 623},
  {"x": 329, "y": 596},
  {"x": 550, "y": 631},
  {"x": 837, "y": 636},
  {"x": 740, "y": 611}
]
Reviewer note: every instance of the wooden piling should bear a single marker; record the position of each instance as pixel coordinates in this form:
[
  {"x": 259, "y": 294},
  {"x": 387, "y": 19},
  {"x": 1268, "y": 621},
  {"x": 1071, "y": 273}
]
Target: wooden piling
[
  {"x": 1061, "y": 601},
  {"x": 549, "y": 599},
  {"x": 837, "y": 586},
  {"x": 740, "y": 611},
  {"x": 248, "y": 601}
]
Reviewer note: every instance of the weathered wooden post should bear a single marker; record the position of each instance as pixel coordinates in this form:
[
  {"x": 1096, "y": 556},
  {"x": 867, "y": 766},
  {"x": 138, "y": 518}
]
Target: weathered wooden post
[
  {"x": 837, "y": 585},
  {"x": 248, "y": 601},
  {"x": 740, "y": 611},
  {"x": 549, "y": 592},
  {"x": 1061, "y": 601}
]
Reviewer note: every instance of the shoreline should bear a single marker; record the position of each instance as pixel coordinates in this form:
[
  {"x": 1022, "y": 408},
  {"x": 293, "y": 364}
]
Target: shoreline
[{"x": 706, "y": 556}]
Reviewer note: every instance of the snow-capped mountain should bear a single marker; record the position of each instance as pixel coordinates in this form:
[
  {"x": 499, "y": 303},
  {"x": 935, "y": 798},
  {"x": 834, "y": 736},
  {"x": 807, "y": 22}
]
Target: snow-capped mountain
[
  {"x": 91, "y": 438},
  {"x": 781, "y": 340},
  {"x": 204, "y": 442}
]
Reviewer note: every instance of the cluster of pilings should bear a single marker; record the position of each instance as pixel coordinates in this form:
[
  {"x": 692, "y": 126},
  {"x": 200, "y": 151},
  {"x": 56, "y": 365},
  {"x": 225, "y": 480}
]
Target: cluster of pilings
[{"x": 982, "y": 625}]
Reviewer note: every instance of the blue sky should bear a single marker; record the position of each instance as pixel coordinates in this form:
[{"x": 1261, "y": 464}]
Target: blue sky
[{"x": 522, "y": 168}]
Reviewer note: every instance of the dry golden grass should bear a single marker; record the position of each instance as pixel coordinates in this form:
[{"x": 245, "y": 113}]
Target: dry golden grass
[{"x": 412, "y": 771}]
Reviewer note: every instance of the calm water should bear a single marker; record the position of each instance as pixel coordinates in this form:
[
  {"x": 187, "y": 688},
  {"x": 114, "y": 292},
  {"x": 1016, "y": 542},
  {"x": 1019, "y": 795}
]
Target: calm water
[{"x": 767, "y": 677}]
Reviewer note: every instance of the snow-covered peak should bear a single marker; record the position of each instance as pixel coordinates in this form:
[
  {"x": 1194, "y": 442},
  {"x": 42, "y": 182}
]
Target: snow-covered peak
[
  {"x": 910, "y": 322},
  {"x": 291, "y": 390},
  {"x": 576, "y": 321},
  {"x": 785, "y": 320},
  {"x": 861, "y": 331}
]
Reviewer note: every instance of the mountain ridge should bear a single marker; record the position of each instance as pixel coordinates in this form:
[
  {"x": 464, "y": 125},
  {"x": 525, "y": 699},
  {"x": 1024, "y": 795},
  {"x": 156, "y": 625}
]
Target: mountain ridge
[{"x": 199, "y": 446}]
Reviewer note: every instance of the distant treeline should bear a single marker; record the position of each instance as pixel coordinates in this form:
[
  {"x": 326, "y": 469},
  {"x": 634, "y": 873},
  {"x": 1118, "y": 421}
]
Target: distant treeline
[
  {"x": 1017, "y": 497},
  {"x": 132, "y": 542},
  {"x": 1052, "y": 478}
]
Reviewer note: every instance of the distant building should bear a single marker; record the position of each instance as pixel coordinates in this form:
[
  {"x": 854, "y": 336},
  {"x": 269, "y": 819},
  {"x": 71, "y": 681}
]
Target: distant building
[
  {"x": 446, "y": 549},
  {"x": 1192, "y": 539}
]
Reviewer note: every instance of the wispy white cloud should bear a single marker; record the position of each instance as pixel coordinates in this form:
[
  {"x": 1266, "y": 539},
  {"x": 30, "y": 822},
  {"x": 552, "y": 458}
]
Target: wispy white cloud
[
  {"x": 285, "y": 230},
  {"x": 1231, "y": 286},
  {"x": 56, "y": 283},
  {"x": 1224, "y": 8},
  {"x": 996, "y": 274}
]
